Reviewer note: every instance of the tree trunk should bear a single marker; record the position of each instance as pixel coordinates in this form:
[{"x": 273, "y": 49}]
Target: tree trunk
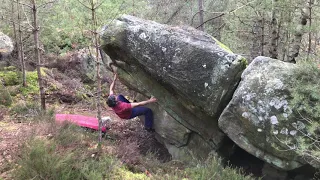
[
  {"x": 262, "y": 34},
  {"x": 37, "y": 53},
  {"x": 273, "y": 51},
  {"x": 296, "y": 42},
  {"x": 96, "y": 45},
  {"x": 20, "y": 47},
  {"x": 14, "y": 24},
  {"x": 311, "y": 2},
  {"x": 257, "y": 39},
  {"x": 200, "y": 3},
  {"x": 133, "y": 12}
]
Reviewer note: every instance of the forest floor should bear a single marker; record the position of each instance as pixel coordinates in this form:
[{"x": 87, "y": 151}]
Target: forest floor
[{"x": 126, "y": 139}]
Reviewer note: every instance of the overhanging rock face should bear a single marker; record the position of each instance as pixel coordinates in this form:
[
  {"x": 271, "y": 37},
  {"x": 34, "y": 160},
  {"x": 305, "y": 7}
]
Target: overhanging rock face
[{"x": 192, "y": 75}]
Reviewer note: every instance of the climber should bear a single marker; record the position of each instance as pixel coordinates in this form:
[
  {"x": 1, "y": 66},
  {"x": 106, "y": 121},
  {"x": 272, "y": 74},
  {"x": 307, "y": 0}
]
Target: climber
[{"x": 126, "y": 110}]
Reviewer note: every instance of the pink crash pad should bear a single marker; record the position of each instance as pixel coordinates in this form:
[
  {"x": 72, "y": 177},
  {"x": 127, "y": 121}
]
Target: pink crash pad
[{"x": 80, "y": 120}]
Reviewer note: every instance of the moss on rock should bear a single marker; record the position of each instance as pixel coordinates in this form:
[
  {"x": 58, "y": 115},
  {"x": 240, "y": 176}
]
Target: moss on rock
[{"x": 221, "y": 45}]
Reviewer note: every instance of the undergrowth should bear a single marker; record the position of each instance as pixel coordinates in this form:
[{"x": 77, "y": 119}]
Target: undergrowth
[
  {"x": 32, "y": 87},
  {"x": 71, "y": 153},
  {"x": 31, "y": 111},
  {"x": 5, "y": 97},
  {"x": 305, "y": 92}
]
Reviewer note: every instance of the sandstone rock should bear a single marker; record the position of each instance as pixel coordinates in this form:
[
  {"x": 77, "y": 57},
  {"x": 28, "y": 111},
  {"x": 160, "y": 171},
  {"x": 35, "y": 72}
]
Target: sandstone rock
[
  {"x": 192, "y": 75},
  {"x": 79, "y": 64},
  {"x": 6, "y": 45},
  {"x": 259, "y": 117}
]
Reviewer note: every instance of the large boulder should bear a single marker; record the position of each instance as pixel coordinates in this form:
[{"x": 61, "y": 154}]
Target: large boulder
[
  {"x": 6, "y": 45},
  {"x": 192, "y": 75},
  {"x": 259, "y": 118}
]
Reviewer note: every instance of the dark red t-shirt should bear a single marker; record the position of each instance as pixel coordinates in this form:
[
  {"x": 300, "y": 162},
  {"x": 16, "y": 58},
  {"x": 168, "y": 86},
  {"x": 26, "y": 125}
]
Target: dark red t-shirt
[{"x": 123, "y": 110}]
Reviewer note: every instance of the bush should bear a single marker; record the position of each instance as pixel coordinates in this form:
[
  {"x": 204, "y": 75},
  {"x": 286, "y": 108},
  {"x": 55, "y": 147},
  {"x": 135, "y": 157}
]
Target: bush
[
  {"x": 66, "y": 135},
  {"x": 28, "y": 109},
  {"x": 68, "y": 155},
  {"x": 5, "y": 97},
  {"x": 40, "y": 161},
  {"x": 10, "y": 77},
  {"x": 32, "y": 87},
  {"x": 305, "y": 88},
  {"x": 31, "y": 111},
  {"x": 210, "y": 169},
  {"x": 213, "y": 169},
  {"x": 52, "y": 159}
]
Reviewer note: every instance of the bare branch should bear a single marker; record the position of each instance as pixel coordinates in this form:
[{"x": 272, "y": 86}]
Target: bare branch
[
  {"x": 97, "y": 6},
  {"x": 12, "y": 21},
  {"x": 27, "y": 18},
  {"x": 175, "y": 13},
  {"x": 24, "y": 4},
  {"x": 224, "y": 13},
  {"x": 84, "y": 5},
  {"x": 114, "y": 17},
  {"x": 219, "y": 28},
  {"x": 203, "y": 11},
  {"x": 44, "y": 4}
]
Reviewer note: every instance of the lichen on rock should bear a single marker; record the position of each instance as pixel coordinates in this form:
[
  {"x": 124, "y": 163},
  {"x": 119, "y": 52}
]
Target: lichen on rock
[
  {"x": 192, "y": 75},
  {"x": 259, "y": 116}
]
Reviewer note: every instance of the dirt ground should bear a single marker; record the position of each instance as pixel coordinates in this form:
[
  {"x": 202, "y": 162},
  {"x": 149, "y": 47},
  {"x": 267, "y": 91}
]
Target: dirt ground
[{"x": 126, "y": 139}]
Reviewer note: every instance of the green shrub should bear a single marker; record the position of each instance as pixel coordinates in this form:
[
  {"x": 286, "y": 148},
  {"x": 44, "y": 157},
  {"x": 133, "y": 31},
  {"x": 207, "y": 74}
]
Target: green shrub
[
  {"x": 40, "y": 161},
  {"x": 13, "y": 90},
  {"x": 25, "y": 109},
  {"x": 47, "y": 159},
  {"x": 31, "y": 111},
  {"x": 101, "y": 168},
  {"x": 305, "y": 88},
  {"x": 305, "y": 92},
  {"x": 67, "y": 156},
  {"x": 10, "y": 68},
  {"x": 10, "y": 78},
  {"x": 5, "y": 97},
  {"x": 210, "y": 169},
  {"x": 66, "y": 135},
  {"x": 32, "y": 87},
  {"x": 213, "y": 169}
]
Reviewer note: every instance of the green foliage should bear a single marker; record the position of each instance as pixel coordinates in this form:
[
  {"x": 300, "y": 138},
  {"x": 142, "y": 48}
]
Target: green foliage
[
  {"x": 102, "y": 168},
  {"x": 5, "y": 97},
  {"x": 31, "y": 111},
  {"x": 49, "y": 159},
  {"x": 67, "y": 26},
  {"x": 305, "y": 101},
  {"x": 305, "y": 90},
  {"x": 211, "y": 169},
  {"x": 10, "y": 76},
  {"x": 32, "y": 87},
  {"x": 39, "y": 160},
  {"x": 67, "y": 155},
  {"x": 66, "y": 135},
  {"x": 24, "y": 109}
]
